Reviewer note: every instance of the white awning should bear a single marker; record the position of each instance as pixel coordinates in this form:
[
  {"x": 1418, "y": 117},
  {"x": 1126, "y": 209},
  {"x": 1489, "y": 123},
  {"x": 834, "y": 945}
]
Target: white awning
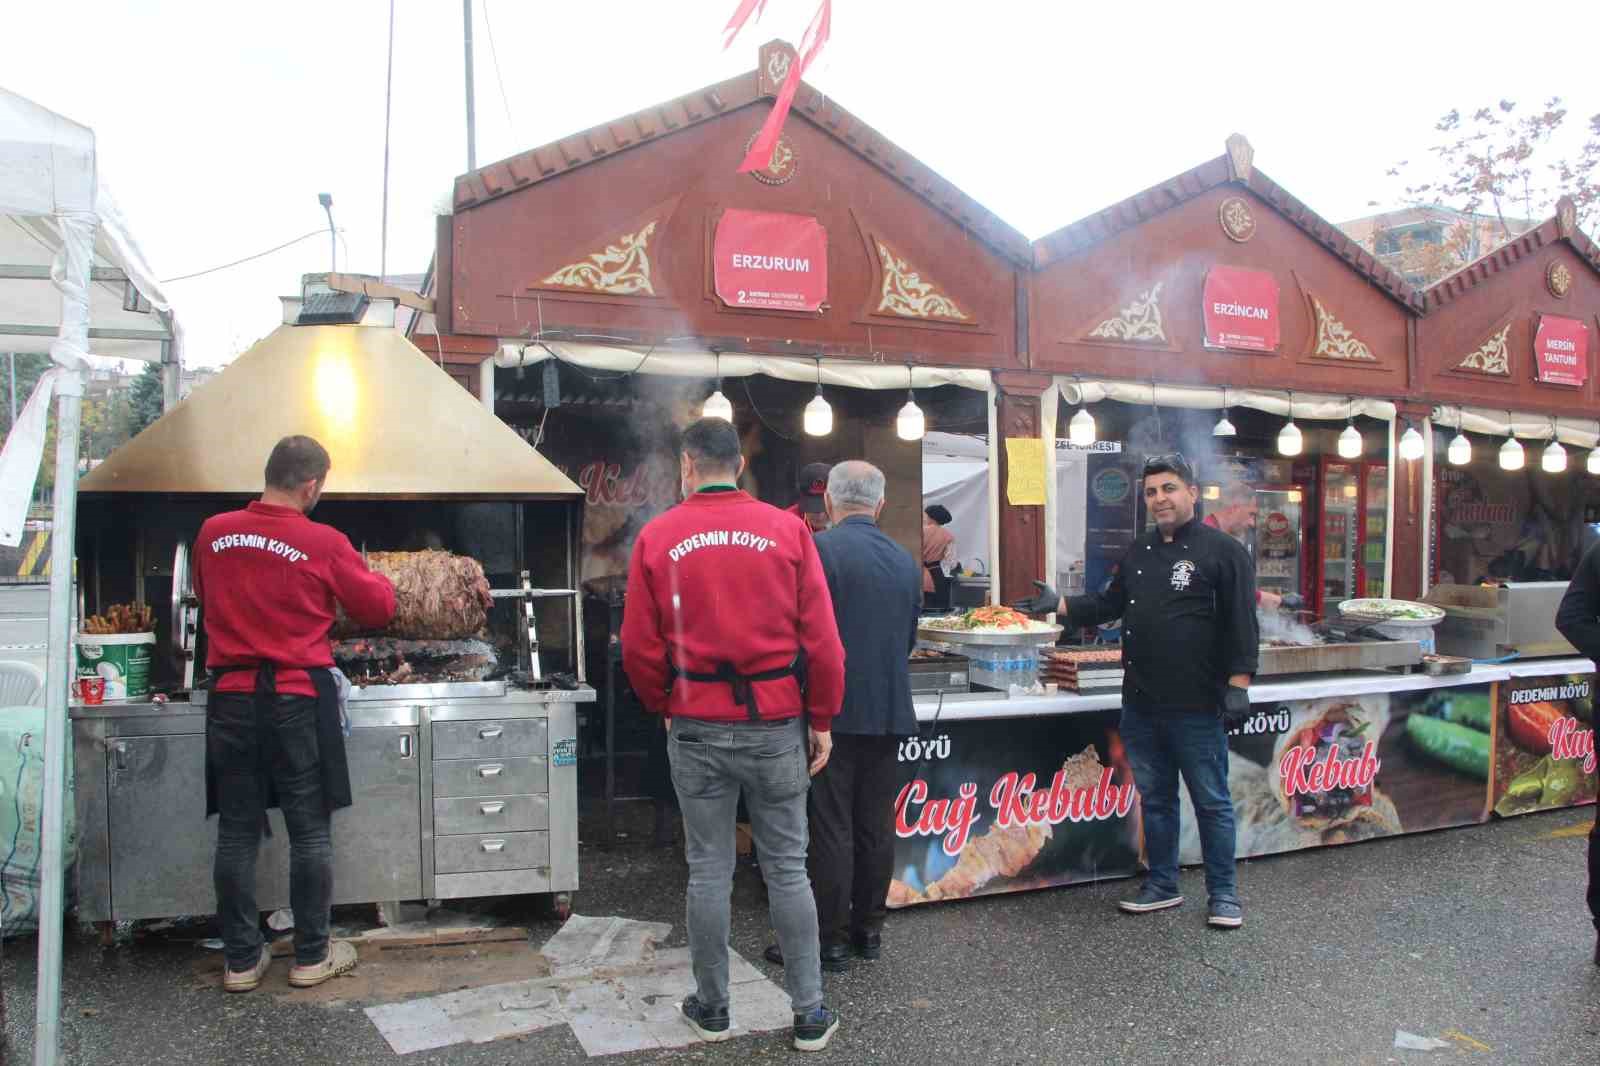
[{"x": 1316, "y": 407}]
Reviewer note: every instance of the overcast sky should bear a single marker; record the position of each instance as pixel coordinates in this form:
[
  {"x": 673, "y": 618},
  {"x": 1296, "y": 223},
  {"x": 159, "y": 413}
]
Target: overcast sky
[{"x": 219, "y": 121}]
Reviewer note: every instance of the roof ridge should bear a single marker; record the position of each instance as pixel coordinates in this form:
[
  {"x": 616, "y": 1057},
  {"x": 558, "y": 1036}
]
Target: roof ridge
[
  {"x": 565, "y": 154},
  {"x": 1561, "y": 226}
]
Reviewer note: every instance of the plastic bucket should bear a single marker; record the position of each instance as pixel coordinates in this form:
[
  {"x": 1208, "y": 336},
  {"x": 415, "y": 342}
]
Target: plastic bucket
[{"x": 123, "y": 659}]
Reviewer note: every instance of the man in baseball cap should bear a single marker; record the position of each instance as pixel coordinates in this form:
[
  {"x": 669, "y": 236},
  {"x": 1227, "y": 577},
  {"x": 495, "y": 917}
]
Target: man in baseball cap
[{"x": 813, "y": 482}]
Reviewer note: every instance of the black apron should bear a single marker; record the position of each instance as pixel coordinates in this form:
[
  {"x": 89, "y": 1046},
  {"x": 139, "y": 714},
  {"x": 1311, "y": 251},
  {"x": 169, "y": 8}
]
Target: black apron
[{"x": 330, "y": 739}]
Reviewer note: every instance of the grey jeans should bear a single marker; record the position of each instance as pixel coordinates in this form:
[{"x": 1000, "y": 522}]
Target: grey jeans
[{"x": 712, "y": 762}]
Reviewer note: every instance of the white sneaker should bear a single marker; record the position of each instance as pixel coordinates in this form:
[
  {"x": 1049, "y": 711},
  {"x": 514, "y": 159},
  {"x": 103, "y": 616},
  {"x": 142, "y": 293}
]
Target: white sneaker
[
  {"x": 341, "y": 959},
  {"x": 248, "y": 980}
]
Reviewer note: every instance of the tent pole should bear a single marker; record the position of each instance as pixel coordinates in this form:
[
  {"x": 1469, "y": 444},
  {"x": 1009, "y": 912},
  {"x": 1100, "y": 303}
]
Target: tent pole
[{"x": 73, "y": 340}]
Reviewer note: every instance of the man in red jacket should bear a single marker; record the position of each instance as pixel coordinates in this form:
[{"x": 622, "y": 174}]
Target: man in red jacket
[
  {"x": 729, "y": 632},
  {"x": 270, "y": 582}
]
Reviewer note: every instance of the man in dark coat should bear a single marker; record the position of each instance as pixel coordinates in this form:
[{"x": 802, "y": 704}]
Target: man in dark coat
[{"x": 876, "y": 587}]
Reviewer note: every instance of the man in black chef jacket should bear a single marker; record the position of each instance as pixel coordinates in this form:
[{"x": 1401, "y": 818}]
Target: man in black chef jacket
[
  {"x": 1578, "y": 619},
  {"x": 1186, "y": 594}
]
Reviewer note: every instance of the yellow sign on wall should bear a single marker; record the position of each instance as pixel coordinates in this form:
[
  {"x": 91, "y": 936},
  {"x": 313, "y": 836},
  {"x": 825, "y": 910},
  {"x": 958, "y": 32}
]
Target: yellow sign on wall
[{"x": 1025, "y": 471}]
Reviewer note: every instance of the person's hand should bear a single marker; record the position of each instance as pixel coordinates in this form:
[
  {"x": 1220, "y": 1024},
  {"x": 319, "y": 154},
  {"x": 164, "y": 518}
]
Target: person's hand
[
  {"x": 821, "y": 747},
  {"x": 1268, "y": 601},
  {"x": 1235, "y": 706},
  {"x": 1045, "y": 601}
]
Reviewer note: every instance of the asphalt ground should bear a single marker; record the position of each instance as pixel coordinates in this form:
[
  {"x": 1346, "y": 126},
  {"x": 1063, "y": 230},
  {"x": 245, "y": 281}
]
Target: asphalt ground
[{"x": 1476, "y": 936}]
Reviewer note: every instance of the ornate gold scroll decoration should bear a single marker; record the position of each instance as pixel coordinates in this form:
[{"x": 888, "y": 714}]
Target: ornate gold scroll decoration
[
  {"x": 906, "y": 294},
  {"x": 1334, "y": 339},
  {"x": 622, "y": 268},
  {"x": 1492, "y": 357},
  {"x": 1139, "y": 321}
]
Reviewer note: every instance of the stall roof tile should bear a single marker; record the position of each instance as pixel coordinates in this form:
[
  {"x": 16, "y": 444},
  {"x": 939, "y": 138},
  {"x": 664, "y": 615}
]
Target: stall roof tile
[
  {"x": 1079, "y": 236},
  {"x": 1559, "y": 227},
  {"x": 703, "y": 105}
]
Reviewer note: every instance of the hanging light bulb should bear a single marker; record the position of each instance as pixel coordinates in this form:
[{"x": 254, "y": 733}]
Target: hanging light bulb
[
  {"x": 1554, "y": 459},
  {"x": 1593, "y": 462},
  {"x": 1411, "y": 443},
  {"x": 909, "y": 424},
  {"x": 1224, "y": 428},
  {"x": 1460, "y": 451},
  {"x": 1350, "y": 439},
  {"x": 717, "y": 405},
  {"x": 819, "y": 415},
  {"x": 1080, "y": 430},
  {"x": 1511, "y": 457},
  {"x": 1289, "y": 439}
]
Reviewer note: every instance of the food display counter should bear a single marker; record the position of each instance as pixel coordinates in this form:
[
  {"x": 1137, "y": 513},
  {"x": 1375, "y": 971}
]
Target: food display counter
[{"x": 1005, "y": 794}]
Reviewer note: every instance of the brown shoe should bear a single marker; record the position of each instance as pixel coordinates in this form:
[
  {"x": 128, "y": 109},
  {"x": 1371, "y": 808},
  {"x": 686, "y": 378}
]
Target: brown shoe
[
  {"x": 341, "y": 959},
  {"x": 247, "y": 980}
]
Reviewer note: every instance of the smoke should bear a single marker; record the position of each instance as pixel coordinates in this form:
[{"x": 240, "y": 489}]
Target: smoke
[
  {"x": 1279, "y": 628},
  {"x": 1161, "y": 430}
]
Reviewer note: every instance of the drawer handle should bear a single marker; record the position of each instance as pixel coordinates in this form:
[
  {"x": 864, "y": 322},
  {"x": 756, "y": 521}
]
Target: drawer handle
[
  {"x": 492, "y": 845},
  {"x": 492, "y": 806},
  {"x": 490, "y": 733},
  {"x": 490, "y": 771},
  {"x": 406, "y": 749}
]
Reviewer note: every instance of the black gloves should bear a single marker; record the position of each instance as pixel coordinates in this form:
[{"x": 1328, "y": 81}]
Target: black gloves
[
  {"x": 1047, "y": 600},
  {"x": 1292, "y": 601},
  {"x": 1235, "y": 706}
]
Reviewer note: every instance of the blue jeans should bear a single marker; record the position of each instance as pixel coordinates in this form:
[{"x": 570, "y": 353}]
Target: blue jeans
[
  {"x": 712, "y": 762},
  {"x": 296, "y": 773},
  {"x": 1161, "y": 745}
]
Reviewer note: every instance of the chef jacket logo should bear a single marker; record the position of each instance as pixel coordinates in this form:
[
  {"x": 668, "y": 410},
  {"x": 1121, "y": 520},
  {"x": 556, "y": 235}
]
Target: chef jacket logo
[{"x": 1182, "y": 574}]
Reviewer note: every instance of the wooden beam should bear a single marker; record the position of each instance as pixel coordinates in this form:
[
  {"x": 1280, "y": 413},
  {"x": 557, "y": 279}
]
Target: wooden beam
[{"x": 380, "y": 291}]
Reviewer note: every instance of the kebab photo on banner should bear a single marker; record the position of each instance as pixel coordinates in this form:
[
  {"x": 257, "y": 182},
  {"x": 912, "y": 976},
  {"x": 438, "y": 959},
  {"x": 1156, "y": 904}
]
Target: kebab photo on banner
[{"x": 760, "y": 154}]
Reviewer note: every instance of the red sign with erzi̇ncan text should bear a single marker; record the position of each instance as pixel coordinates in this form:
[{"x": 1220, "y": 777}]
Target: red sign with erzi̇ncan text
[
  {"x": 1241, "y": 309},
  {"x": 764, "y": 259},
  {"x": 1561, "y": 351}
]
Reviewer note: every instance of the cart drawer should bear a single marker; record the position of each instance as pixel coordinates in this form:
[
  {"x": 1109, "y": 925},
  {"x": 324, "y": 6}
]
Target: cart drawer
[
  {"x": 489, "y": 739},
  {"x": 493, "y": 851},
  {"x": 490, "y": 777},
  {"x": 493, "y": 814}
]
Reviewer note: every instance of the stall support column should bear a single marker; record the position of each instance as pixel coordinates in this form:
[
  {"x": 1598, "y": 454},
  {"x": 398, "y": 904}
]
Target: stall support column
[
  {"x": 1410, "y": 520},
  {"x": 1021, "y": 548}
]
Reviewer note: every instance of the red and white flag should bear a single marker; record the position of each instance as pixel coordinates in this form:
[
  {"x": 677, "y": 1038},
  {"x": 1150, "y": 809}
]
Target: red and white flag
[
  {"x": 740, "y": 17},
  {"x": 816, "y": 35}
]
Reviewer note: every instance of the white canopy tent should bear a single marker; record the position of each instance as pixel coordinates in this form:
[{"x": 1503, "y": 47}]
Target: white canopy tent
[{"x": 59, "y": 230}]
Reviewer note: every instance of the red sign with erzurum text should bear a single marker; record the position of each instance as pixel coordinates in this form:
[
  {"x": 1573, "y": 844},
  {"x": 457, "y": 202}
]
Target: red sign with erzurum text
[
  {"x": 1241, "y": 309},
  {"x": 1561, "y": 351},
  {"x": 770, "y": 260}
]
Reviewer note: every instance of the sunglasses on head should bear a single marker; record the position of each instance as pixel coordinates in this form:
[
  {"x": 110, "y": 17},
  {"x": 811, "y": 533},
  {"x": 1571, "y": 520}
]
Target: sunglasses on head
[{"x": 1173, "y": 462}]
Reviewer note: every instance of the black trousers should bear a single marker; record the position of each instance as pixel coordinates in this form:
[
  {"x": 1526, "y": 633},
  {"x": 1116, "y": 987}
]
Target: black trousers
[
  {"x": 851, "y": 856},
  {"x": 1594, "y": 870}
]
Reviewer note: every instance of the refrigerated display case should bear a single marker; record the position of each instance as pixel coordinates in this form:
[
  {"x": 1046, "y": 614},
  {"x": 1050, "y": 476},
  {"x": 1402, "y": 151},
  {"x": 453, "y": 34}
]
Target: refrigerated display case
[
  {"x": 1352, "y": 524},
  {"x": 1278, "y": 542}
]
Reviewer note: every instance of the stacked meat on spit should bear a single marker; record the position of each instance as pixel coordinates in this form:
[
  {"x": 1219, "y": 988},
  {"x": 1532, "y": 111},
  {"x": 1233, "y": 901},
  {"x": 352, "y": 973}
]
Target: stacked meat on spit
[{"x": 442, "y": 610}]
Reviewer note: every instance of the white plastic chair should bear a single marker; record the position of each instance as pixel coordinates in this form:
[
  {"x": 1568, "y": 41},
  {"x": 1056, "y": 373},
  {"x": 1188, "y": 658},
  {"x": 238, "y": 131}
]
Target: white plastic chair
[{"x": 21, "y": 684}]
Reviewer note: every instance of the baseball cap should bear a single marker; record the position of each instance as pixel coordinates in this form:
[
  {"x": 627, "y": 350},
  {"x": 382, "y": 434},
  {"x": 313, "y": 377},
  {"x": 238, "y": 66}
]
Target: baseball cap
[{"x": 812, "y": 483}]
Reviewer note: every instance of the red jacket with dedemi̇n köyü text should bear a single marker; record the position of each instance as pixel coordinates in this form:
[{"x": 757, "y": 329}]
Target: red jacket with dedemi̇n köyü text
[
  {"x": 270, "y": 581},
  {"x": 721, "y": 578}
]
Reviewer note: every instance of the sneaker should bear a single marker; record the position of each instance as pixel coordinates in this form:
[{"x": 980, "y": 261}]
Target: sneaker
[
  {"x": 709, "y": 1024},
  {"x": 340, "y": 959},
  {"x": 247, "y": 980},
  {"x": 813, "y": 1031},
  {"x": 1150, "y": 898},
  {"x": 1225, "y": 914}
]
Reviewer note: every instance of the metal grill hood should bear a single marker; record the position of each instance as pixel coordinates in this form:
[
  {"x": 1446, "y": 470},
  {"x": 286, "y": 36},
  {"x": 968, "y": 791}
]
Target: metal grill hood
[{"x": 395, "y": 424}]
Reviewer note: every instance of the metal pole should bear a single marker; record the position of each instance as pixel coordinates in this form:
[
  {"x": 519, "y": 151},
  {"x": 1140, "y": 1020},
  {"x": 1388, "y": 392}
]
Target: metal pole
[
  {"x": 388, "y": 99},
  {"x": 11, "y": 357},
  {"x": 472, "y": 141},
  {"x": 78, "y": 241}
]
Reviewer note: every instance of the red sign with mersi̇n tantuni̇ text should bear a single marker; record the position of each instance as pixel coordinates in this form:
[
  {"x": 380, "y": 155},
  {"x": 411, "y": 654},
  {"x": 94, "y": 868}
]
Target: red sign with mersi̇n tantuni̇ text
[
  {"x": 770, "y": 260},
  {"x": 1561, "y": 351},
  {"x": 1241, "y": 309}
]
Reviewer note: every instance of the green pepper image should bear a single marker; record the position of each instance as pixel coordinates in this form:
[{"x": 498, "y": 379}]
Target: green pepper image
[
  {"x": 1529, "y": 785},
  {"x": 1454, "y": 745},
  {"x": 1468, "y": 709},
  {"x": 1561, "y": 784}
]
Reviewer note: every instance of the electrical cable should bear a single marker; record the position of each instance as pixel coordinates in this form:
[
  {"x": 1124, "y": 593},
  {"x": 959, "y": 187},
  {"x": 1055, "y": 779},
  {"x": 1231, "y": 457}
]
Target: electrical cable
[
  {"x": 388, "y": 105},
  {"x": 494, "y": 57},
  {"x": 319, "y": 231},
  {"x": 759, "y": 416}
]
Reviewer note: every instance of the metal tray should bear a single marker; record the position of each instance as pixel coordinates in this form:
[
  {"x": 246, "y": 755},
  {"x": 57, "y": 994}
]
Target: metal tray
[
  {"x": 1013, "y": 640},
  {"x": 455, "y": 690},
  {"x": 1446, "y": 666}
]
